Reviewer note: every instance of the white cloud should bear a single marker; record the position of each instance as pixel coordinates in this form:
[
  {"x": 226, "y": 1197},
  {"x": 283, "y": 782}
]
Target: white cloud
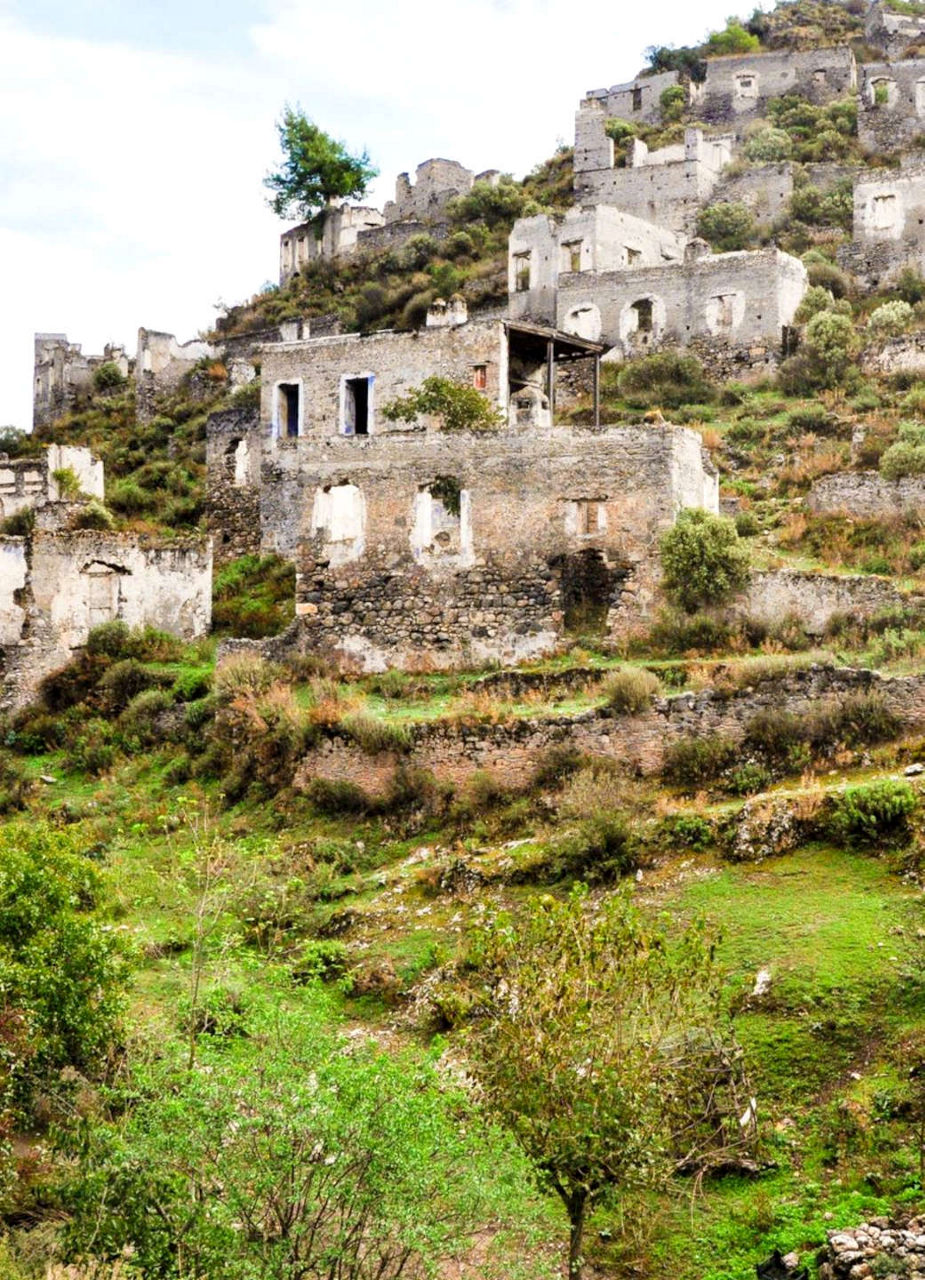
[{"x": 130, "y": 180}]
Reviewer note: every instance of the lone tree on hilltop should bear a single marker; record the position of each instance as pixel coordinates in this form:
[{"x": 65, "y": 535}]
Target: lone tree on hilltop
[{"x": 316, "y": 169}]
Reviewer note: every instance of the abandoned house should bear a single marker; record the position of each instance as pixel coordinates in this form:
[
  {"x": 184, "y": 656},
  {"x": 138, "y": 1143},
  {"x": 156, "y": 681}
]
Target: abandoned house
[
  {"x": 891, "y": 105},
  {"x": 889, "y": 224},
  {"x": 668, "y": 186},
  {"x": 60, "y": 581},
  {"x": 63, "y": 375},
  {"x": 896, "y": 35}
]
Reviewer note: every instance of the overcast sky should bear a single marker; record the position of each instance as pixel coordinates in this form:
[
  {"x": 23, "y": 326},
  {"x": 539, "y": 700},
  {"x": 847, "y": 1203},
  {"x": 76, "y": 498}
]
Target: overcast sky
[{"x": 134, "y": 134}]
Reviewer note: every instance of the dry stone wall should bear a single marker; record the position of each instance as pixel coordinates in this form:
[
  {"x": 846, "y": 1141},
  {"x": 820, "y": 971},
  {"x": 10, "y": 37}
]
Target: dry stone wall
[
  {"x": 815, "y": 599},
  {"x": 453, "y": 752},
  {"x": 867, "y": 495},
  {"x": 876, "y": 1248}
]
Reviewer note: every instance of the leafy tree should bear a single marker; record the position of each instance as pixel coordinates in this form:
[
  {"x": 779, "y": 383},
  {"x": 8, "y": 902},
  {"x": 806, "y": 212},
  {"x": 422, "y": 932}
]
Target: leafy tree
[
  {"x": 816, "y": 299},
  {"x": 316, "y": 169},
  {"x": 831, "y": 344},
  {"x": 703, "y": 561},
  {"x": 496, "y": 204},
  {"x": 284, "y": 1156},
  {"x": 461, "y": 408},
  {"x": 108, "y": 376},
  {"x": 62, "y": 968},
  {"x": 599, "y": 1046},
  {"x": 729, "y": 225},
  {"x": 734, "y": 39},
  {"x": 768, "y": 145}
]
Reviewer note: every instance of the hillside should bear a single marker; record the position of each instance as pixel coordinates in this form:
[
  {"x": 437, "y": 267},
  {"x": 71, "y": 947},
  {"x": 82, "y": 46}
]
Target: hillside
[{"x": 317, "y": 974}]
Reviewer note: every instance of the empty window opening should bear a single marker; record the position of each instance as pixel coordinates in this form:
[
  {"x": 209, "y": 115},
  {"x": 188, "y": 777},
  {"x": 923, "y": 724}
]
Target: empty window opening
[
  {"x": 480, "y": 376},
  {"x": 521, "y": 272},
  {"x": 571, "y": 255},
  {"x": 644, "y": 316},
  {"x": 637, "y": 99},
  {"x": 633, "y": 256},
  {"x": 103, "y": 593},
  {"x": 288, "y": 408},
  {"x": 746, "y": 86},
  {"x": 885, "y": 211},
  {"x": 338, "y": 516},
  {"x": 357, "y": 406},
  {"x": 721, "y": 312},
  {"x": 441, "y": 526},
  {"x": 882, "y": 92},
  {"x": 820, "y": 75},
  {"x": 589, "y": 588},
  {"x": 585, "y": 517}
]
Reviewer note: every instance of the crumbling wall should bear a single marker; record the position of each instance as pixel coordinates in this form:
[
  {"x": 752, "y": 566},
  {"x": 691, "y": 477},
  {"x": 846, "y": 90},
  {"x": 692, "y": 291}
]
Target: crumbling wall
[
  {"x": 63, "y": 375},
  {"x": 600, "y": 238},
  {"x": 891, "y": 105},
  {"x": 893, "y": 33},
  {"x": 336, "y": 235},
  {"x": 233, "y": 456},
  {"x": 391, "y": 364},
  {"x": 667, "y": 186},
  {"x": 512, "y": 751},
  {"x": 889, "y": 224},
  {"x": 738, "y": 88},
  {"x": 731, "y": 300},
  {"x": 814, "y": 599},
  {"x": 161, "y": 364},
  {"x": 451, "y": 549},
  {"x": 867, "y": 495},
  {"x": 56, "y": 586},
  {"x": 436, "y": 182},
  {"x": 30, "y": 482},
  {"x": 638, "y": 101}
]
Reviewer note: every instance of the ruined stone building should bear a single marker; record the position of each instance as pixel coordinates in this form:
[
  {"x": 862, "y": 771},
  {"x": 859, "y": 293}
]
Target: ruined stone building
[
  {"x": 59, "y": 581},
  {"x": 891, "y": 104},
  {"x": 897, "y": 35},
  {"x": 413, "y": 543},
  {"x": 889, "y": 224},
  {"x": 63, "y": 375},
  {"x": 668, "y": 186},
  {"x": 418, "y": 206}
]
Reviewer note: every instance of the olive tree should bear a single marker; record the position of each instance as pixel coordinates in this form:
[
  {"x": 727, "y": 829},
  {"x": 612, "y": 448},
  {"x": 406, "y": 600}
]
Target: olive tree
[
  {"x": 703, "y": 560},
  {"x": 600, "y": 1049}
]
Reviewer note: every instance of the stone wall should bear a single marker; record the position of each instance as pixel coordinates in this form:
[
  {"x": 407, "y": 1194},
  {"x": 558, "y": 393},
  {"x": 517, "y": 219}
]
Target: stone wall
[
  {"x": 867, "y": 495},
  {"x": 161, "y": 364},
  {"x": 390, "y": 364},
  {"x": 451, "y": 549},
  {"x": 732, "y": 299},
  {"x": 27, "y": 483},
  {"x": 233, "y": 456},
  {"x": 891, "y": 105},
  {"x": 893, "y": 33},
  {"x": 336, "y": 236},
  {"x": 585, "y": 240},
  {"x": 63, "y": 375},
  {"x": 511, "y": 751},
  {"x": 814, "y": 599},
  {"x": 436, "y": 182},
  {"x": 876, "y": 1248},
  {"x": 667, "y": 187},
  {"x": 56, "y": 586},
  {"x": 638, "y": 101},
  {"x": 905, "y": 354},
  {"x": 738, "y": 88},
  {"x": 889, "y": 224}
]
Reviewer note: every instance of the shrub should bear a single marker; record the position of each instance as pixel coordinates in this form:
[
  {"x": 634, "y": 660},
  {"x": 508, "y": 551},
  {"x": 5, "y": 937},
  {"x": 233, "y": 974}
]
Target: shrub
[
  {"x": 93, "y": 516},
  {"x": 458, "y": 406},
  {"x": 93, "y": 751},
  {"x": 746, "y": 523},
  {"x": 67, "y": 482},
  {"x": 728, "y": 226},
  {"x": 873, "y": 813},
  {"x": 817, "y": 298},
  {"x": 702, "y": 560},
  {"x": 681, "y": 634},
  {"x": 673, "y": 102},
  {"x": 827, "y": 358},
  {"x": 337, "y": 797},
  {"x": 107, "y": 376},
  {"x": 191, "y": 686},
  {"x": 124, "y": 681},
  {"x": 139, "y": 720},
  {"x": 631, "y": 690},
  {"x": 665, "y": 379},
  {"x": 373, "y": 735},
  {"x": 891, "y": 319},
  {"x": 769, "y": 145},
  {"x": 598, "y": 851},
  {"x": 495, "y": 204},
  {"x": 910, "y": 286},
  {"x": 242, "y": 674},
  {"x": 20, "y": 524},
  {"x": 694, "y": 762},
  {"x": 110, "y": 640},
  {"x": 253, "y": 597},
  {"x": 733, "y": 39},
  {"x": 686, "y": 831},
  {"x": 128, "y": 497},
  {"x": 907, "y": 456},
  {"x": 825, "y": 275}
]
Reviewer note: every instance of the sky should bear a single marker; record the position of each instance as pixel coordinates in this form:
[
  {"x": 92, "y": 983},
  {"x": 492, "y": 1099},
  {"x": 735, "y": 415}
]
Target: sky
[{"x": 134, "y": 135}]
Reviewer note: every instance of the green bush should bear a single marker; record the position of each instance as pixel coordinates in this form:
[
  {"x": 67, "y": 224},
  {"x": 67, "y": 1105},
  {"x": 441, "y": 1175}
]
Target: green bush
[
  {"x": 139, "y": 721},
  {"x": 733, "y": 39},
  {"x": 374, "y": 736},
  {"x": 123, "y": 682},
  {"x": 873, "y": 813},
  {"x": 253, "y": 597},
  {"x": 340, "y": 797},
  {"x": 631, "y": 690},
  {"x": 907, "y": 456},
  {"x": 62, "y": 969},
  {"x": 664, "y": 379},
  {"x": 458, "y": 406},
  {"x": 93, "y": 516},
  {"x": 728, "y": 226},
  {"x": 817, "y": 298},
  {"x": 768, "y": 146},
  {"x": 673, "y": 103},
  {"x": 910, "y": 286},
  {"x": 679, "y": 633},
  {"x": 891, "y": 319},
  {"x": 191, "y": 686},
  {"x": 703, "y": 562},
  {"x": 599, "y": 851},
  {"x": 746, "y": 523},
  {"x": 107, "y": 376},
  {"x": 827, "y": 358},
  {"x": 826, "y": 275},
  {"x": 693, "y": 763}
]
